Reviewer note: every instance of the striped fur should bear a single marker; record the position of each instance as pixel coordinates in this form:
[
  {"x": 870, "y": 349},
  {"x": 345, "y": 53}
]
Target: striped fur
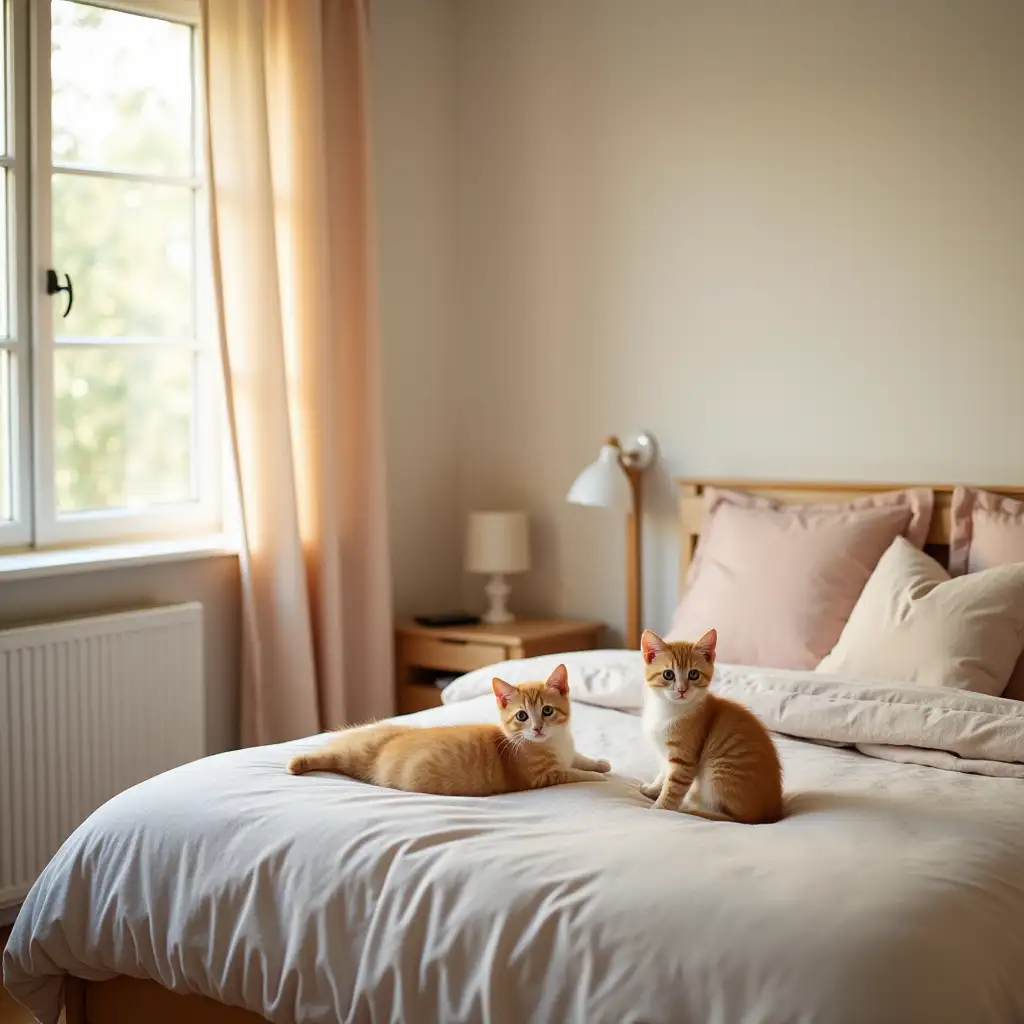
[{"x": 718, "y": 760}]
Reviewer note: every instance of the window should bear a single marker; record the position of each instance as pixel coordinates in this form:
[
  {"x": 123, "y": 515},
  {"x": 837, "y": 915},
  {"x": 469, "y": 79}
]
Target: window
[{"x": 109, "y": 410}]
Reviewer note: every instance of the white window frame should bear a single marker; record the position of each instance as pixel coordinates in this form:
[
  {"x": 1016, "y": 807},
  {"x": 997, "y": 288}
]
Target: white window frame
[
  {"x": 17, "y": 531},
  {"x": 35, "y": 519}
]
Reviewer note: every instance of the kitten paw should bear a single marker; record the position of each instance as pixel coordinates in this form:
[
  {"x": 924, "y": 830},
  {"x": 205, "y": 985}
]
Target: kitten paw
[
  {"x": 602, "y": 766},
  {"x": 651, "y": 792}
]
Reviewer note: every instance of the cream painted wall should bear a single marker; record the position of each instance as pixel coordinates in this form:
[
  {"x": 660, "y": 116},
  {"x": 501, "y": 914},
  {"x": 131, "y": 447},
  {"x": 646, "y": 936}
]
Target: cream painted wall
[
  {"x": 786, "y": 237},
  {"x": 414, "y": 68}
]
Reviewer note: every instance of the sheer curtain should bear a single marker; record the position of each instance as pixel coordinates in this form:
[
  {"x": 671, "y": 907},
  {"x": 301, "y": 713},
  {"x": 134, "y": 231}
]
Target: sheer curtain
[{"x": 292, "y": 245}]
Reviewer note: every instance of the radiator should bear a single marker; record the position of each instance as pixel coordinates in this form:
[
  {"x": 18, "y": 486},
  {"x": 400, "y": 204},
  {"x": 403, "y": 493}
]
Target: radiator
[{"x": 88, "y": 708}]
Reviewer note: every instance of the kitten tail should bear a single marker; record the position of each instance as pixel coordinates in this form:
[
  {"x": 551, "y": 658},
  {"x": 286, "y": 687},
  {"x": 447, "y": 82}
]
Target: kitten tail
[
  {"x": 318, "y": 761},
  {"x": 352, "y": 753}
]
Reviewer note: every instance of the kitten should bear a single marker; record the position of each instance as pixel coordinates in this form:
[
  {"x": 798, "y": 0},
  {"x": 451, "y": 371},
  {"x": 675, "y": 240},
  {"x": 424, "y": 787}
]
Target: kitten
[
  {"x": 530, "y": 749},
  {"x": 706, "y": 742}
]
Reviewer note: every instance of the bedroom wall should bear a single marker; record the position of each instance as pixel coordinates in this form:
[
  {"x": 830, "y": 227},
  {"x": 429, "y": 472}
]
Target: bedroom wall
[
  {"x": 414, "y": 69},
  {"x": 787, "y": 238}
]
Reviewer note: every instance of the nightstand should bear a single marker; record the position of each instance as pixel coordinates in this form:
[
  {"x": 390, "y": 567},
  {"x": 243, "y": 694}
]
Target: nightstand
[{"x": 424, "y": 655}]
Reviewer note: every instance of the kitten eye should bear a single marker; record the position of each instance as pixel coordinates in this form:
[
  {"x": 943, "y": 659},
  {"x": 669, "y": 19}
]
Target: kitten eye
[
  {"x": 547, "y": 711},
  {"x": 668, "y": 675},
  {"x": 693, "y": 674},
  {"x": 522, "y": 716}
]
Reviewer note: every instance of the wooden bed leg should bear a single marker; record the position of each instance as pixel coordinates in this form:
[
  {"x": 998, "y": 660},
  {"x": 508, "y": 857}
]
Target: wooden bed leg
[{"x": 74, "y": 1001}]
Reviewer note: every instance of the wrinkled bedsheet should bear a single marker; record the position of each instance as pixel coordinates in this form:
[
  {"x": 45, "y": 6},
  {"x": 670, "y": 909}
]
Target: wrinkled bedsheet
[{"x": 890, "y": 891}]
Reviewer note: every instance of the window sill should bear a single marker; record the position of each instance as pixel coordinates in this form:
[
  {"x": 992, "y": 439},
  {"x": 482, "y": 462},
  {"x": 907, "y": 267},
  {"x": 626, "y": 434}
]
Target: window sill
[{"x": 25, "y": 565}]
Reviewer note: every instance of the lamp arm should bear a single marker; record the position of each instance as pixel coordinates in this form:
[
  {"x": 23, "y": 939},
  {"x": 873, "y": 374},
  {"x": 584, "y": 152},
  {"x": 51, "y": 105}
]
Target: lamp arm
[
  {"x": 634, "y": 558},
  {"x": 634, "y": 462}
]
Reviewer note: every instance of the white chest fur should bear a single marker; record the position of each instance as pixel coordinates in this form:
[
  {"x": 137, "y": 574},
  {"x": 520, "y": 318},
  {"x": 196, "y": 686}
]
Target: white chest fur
[{"x": 659, "y": 714}]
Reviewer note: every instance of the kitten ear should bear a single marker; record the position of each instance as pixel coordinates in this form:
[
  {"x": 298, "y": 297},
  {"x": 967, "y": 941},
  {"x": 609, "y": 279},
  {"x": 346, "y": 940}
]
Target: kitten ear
[
  {"x": 706, "y": 644},
  {"x": 559, "y": 681},
  {"x": 651, "y": 645},
  {"x": 503, "y": 691}
]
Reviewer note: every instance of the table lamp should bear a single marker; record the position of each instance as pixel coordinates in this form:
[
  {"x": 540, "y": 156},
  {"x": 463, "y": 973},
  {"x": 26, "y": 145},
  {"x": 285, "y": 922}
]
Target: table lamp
[
  {"x": 615, "y": 480},
  {"x": 497, "y": 544}
]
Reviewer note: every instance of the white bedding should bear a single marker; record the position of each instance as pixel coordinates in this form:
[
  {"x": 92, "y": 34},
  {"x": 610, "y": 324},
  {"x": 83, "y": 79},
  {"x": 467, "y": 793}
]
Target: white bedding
[{"x": 890, "y": 892}]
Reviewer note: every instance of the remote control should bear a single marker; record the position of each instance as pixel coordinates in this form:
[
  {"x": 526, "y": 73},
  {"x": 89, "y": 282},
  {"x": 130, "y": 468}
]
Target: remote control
[{"x": 447, "y": 620}]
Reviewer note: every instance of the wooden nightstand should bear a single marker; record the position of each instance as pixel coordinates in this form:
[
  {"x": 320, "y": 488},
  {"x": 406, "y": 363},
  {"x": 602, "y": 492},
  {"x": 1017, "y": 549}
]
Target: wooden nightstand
[{"x": 423, "y": 654}]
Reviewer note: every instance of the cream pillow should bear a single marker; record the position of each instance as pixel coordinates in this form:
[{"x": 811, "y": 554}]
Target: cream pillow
[{"x": 913, "y": 623}]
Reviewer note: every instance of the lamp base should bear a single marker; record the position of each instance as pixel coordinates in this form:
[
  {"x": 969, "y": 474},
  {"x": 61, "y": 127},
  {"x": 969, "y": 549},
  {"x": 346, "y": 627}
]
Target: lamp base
[{"x": 497, "y": 591}]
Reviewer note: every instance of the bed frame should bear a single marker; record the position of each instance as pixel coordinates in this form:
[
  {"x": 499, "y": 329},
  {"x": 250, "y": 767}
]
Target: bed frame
[{"x": 124, "y": 1000}]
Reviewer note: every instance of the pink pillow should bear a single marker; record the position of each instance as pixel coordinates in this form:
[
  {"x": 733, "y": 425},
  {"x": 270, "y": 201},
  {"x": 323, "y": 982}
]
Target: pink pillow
[
  {"x": 988, "y": 530},
  {"x": 779, "y": 581}
]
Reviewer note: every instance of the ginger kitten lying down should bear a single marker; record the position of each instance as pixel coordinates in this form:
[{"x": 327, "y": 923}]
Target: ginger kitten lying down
[
  {"x": 716, "y": 755},
  {"x": 530, "y": 749}
]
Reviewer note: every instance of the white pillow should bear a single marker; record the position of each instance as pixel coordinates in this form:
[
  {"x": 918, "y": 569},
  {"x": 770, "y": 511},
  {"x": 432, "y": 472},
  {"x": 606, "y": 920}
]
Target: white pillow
[
  {"x": 610, "y": 679},
  {"x": 913, "y": 623}
]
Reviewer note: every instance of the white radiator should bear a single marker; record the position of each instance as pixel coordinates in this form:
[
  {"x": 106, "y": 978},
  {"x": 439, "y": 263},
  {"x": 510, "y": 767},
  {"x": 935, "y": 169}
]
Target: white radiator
[{"x": 89, "y": 707}]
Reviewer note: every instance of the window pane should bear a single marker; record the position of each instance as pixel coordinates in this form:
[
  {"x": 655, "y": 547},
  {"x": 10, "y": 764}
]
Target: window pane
[
  {"x": 6, "y": 462},
  {"x": 5, "y": 245},
  {"x": 122, "y": 90},
  {"x": 124, "y": 426},
  {"x": 129, "y": 251},
  {"x": 5, "y": 143}
]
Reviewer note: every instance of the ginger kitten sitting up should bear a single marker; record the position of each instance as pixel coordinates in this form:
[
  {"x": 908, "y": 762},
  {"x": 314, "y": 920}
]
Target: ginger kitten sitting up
[
  {"x": 716, "y": 755},
  {"x": 530, "y": 749}
]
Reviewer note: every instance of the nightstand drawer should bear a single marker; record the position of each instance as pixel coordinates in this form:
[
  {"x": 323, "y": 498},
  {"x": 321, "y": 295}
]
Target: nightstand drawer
[{"x": 454, "y": 655}]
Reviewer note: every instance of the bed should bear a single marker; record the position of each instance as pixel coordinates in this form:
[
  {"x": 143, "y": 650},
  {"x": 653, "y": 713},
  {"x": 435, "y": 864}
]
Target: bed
[{"x": 893, "y": 890}]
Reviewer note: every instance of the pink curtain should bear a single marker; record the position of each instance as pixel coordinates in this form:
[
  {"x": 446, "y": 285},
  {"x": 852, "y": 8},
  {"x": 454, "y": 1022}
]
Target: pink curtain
[{"x": 289, "y": 165}]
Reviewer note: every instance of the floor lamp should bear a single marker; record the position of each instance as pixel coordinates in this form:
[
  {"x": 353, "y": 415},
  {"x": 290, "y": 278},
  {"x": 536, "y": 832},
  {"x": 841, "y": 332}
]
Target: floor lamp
[{"x": 615, "y": 480}]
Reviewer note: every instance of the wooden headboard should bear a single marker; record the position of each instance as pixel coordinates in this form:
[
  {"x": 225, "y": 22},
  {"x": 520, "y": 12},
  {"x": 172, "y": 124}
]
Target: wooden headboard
[{"x": 691, "y": 505}]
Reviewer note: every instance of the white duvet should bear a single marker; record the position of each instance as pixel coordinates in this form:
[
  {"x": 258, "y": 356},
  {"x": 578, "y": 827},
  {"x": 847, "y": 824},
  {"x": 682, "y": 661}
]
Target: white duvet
[{"x": 891, "y": 891}]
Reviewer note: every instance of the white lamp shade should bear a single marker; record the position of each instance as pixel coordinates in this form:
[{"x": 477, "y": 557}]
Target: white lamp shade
[
  {"x": 498, "y": 542},
  {"x": 602, "y": 483}
]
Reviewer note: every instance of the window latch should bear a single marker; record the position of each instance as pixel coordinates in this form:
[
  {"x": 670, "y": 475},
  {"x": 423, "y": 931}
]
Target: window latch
[{"x": 53, "y": 287}]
